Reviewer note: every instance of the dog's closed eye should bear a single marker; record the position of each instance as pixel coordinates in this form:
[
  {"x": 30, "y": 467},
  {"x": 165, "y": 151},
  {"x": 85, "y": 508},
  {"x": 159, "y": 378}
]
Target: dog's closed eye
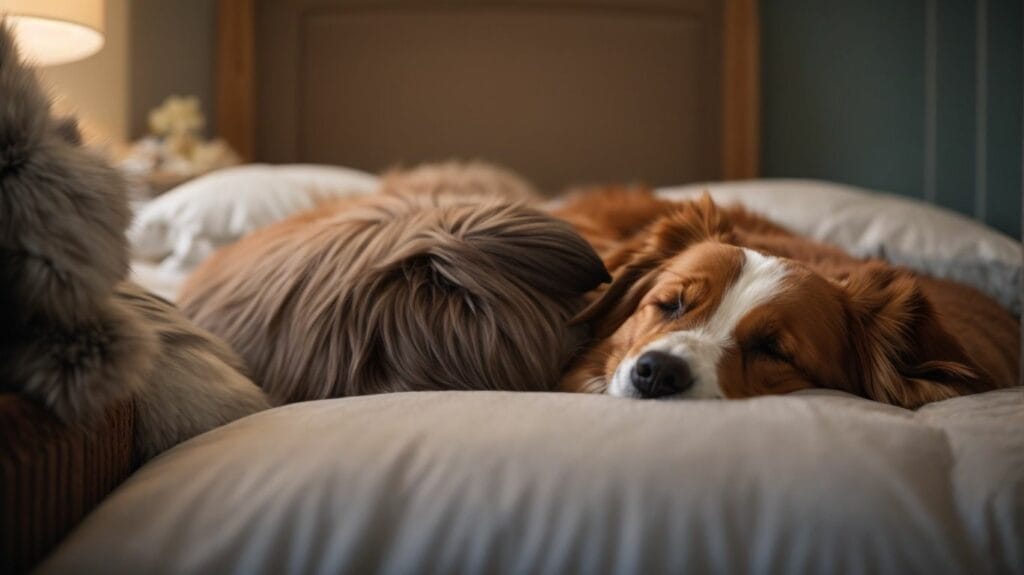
[
  {"x": 766, "y": 346},
  {"x": 674, "y": 308}
]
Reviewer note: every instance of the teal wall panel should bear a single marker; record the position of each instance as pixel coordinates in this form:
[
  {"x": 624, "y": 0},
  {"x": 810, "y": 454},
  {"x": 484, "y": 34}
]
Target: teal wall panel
[
  {"x": 1005, "y": 116},
  {"x": 921, "y": 98},
  {"x": 950, "y": 181},
  {"x": 843, "y": 86}
]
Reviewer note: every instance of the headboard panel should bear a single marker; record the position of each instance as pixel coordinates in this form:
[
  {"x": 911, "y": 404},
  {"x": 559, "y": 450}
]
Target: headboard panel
[{"x": 563, "y": 91}]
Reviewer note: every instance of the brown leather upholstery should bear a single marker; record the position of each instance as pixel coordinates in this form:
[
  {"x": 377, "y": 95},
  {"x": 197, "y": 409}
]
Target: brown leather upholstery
[{"x": 52, "y": 475}]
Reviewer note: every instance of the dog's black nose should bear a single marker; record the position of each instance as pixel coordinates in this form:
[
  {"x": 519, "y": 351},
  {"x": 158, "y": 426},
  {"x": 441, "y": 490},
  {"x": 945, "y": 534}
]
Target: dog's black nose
[{"x": 657, "y": 373}]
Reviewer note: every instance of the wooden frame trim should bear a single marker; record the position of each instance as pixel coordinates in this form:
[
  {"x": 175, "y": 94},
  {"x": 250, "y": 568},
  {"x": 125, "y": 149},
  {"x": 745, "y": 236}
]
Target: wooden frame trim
[
  {"x": 236, "y": 75},
  {"x": 741, "y": 83},
  {"x": 741, "y": 90}
]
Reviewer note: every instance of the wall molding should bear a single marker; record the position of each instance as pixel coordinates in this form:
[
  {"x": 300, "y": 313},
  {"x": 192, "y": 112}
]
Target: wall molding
[{"x": 741, "y": 90}]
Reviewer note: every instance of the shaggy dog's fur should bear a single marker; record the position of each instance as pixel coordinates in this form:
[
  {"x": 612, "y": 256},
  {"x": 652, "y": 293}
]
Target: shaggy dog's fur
[
  {"x": 420, "y": 287},
  {"x": 196, "y": 383},
  {"x": 829, "y": 320},
  {"x": 75, "y": 337}
]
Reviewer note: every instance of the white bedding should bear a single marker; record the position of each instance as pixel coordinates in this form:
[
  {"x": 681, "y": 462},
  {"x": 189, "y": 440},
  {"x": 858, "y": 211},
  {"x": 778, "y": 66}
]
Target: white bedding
[
  {"x": 188, "y": 223},
  {"x": 489, "y": 482}
]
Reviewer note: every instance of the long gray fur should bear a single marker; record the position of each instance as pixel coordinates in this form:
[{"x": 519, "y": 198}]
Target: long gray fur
[{"x": 74, "y": 335}]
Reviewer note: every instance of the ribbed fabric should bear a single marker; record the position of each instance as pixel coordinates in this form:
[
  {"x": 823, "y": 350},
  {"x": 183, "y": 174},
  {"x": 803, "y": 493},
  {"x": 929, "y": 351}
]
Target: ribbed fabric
[{"x": 52, "y": 475}]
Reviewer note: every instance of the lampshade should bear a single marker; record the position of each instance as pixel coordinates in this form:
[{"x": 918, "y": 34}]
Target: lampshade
[{"x": 55, "y": 31}]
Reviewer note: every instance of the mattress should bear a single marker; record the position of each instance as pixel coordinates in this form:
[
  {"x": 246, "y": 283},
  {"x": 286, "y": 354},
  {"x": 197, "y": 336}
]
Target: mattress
[{"x": 491, "y": 482}]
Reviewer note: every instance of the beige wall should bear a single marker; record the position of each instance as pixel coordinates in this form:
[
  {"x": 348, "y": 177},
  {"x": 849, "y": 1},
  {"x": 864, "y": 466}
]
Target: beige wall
[
  {"x": 154, "y": 48},
  {"x": 96, "y": 89}
]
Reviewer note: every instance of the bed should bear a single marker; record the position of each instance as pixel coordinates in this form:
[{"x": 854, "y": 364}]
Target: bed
[
  {"x": 498, "y": 482},
  {"x": 492, "y": 482}
]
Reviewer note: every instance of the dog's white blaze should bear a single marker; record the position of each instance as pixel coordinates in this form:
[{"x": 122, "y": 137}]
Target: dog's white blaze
[{"x": 758, "y": 282}]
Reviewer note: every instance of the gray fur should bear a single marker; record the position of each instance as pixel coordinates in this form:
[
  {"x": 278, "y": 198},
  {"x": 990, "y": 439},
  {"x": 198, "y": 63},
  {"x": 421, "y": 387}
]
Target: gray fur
[
  {"x": 196, "y": 383},
  {"x": 63, "y": 210},
  {"x": 68, "y": 341}
]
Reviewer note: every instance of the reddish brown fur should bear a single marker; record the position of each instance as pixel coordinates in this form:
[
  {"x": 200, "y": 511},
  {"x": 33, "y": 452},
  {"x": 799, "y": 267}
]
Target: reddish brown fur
[{"x": 861, "y": 326}]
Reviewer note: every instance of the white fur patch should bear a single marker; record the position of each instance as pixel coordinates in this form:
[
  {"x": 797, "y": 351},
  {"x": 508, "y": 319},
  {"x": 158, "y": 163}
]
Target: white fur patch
[{"x": 702, "y": 348}]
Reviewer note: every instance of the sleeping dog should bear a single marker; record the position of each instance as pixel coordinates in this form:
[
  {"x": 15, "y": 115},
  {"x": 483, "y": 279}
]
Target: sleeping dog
[{"x": 711, "y": 302}]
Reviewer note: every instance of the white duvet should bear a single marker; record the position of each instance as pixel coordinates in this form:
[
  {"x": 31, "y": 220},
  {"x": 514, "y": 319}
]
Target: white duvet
[{"x": 490, "y": 482}]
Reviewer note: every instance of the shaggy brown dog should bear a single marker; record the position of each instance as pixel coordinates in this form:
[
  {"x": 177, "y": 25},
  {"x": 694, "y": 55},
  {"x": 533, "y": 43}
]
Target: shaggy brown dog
[
  {"x": 411, "y": 289},
  {"x": 717, "y": 302}
]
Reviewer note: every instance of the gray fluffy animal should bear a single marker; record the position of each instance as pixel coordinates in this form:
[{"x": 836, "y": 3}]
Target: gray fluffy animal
[
  {"x": 74, "y": 336},
  {"x": 196, "y": 382}
]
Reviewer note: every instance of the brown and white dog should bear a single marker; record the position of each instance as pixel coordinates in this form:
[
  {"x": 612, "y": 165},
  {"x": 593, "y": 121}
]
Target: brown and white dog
[{"x": 713, "y": 302}]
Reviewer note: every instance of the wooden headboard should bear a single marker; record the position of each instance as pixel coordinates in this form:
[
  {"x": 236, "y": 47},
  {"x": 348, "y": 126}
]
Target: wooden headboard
[{"x": 564, "y": 91}]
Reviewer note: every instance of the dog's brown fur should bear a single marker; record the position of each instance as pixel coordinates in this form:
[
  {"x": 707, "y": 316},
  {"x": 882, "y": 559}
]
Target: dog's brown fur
[
  {"x": 409, "y": 289},
  {"x": 909, "y": 339}
]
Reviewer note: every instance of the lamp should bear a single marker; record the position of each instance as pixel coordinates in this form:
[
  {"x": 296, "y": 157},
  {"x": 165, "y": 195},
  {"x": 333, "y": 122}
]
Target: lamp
[{"x": 55, "y": 31}]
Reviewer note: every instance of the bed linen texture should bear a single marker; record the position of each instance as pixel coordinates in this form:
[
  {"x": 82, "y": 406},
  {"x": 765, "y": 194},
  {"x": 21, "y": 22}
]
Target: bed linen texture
[{"x": 493, "y": 482}]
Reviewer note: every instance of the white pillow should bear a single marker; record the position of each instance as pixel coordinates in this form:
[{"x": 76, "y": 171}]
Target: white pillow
[
  {"x": 904, "y": 231},
  {"x": 498, "y": 482},
  {"x": 189, "y": 222}
]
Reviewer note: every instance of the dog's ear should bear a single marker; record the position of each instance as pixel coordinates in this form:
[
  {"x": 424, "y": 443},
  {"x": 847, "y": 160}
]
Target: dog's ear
[
  {"x": 689, "y": 223},
  {"x": 614, "y": 306},
  {"x": 907, "y": 357}
]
